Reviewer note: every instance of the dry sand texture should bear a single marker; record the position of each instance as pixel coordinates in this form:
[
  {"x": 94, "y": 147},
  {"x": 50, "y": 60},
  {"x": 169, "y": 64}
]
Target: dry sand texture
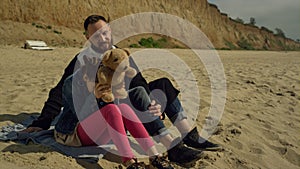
[{"x": 259, "y": 128}]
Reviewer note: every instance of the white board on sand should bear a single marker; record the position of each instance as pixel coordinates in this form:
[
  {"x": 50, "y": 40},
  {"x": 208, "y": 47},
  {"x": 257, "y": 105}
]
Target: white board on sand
[{"x": 36, "y": 45}]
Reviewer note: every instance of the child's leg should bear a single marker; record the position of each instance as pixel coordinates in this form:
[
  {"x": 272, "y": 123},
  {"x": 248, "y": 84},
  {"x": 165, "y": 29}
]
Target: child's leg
[
  {"x": 108, "y": 118},
  {"x": 137, "y": 130}
]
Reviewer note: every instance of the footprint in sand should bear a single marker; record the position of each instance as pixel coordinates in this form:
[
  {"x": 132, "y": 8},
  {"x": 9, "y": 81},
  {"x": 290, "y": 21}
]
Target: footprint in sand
[
  {"x": 288, "y": 153},
  {"x": 292, "y": 156},
  {"x": 256, "y": 148},
  {"x": 236, "y": 144},
  {"x": 270, "y": 135}
]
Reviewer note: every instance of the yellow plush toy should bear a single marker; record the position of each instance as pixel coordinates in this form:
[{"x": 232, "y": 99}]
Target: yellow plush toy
[{"x": 115, "y": 66}]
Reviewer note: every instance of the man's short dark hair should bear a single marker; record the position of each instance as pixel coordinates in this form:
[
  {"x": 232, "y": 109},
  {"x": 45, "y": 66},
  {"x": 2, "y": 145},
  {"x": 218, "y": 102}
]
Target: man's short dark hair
[{"x": 93, "y": 19}]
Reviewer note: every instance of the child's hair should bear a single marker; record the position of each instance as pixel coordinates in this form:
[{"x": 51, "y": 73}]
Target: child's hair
[{"x": 90, "y": 67}]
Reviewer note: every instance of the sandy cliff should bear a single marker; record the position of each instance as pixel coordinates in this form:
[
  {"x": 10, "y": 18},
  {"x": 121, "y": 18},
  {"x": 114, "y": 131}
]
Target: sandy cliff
[{"x": 59, "y": 22}]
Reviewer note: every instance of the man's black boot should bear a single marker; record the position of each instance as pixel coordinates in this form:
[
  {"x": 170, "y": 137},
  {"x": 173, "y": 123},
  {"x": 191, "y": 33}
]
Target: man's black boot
[
  {"x": 192, "y": 140},
  {"x": 182, "y": 155}
]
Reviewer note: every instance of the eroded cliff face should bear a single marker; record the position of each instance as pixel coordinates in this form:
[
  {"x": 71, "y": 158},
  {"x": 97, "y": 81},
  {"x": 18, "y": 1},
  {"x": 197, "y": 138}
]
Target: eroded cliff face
[{"x": 219, "y": 28}]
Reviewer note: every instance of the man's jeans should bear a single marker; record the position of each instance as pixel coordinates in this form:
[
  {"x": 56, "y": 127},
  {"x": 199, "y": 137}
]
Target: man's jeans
[{"x": 140, "y": 101}]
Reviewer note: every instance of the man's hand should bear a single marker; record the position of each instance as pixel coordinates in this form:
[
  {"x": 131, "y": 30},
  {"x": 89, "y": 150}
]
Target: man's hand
[
  {"x": 155, "y": 109},
  {"x": 32, "y": 129}
]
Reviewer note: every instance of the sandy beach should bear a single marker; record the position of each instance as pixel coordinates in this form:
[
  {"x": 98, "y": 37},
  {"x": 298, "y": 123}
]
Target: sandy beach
[{"x": 259, "y": 127}]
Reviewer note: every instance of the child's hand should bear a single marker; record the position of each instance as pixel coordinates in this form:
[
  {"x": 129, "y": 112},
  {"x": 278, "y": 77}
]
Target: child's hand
[{"x": 100, "y": 89}]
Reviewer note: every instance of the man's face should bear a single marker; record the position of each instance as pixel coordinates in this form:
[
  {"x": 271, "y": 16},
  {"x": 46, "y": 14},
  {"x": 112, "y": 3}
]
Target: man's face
[{"x": 99, "y": 34}]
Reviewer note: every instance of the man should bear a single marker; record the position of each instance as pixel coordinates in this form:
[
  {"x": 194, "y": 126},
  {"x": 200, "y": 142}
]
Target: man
[{"x": 177, "y": 151}]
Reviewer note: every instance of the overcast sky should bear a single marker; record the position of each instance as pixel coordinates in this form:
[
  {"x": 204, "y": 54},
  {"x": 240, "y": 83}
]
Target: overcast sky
[{"x": 283, "y": 14}]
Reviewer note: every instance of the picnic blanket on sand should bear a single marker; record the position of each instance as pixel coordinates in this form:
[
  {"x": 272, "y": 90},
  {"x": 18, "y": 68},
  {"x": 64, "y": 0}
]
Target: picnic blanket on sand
[{"x": 46, "y": 137}]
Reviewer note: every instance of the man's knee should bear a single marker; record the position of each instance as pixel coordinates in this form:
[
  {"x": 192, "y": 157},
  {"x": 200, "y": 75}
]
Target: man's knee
[
  {"x": 139, "y": 98},
  {"x": 165, "y": 81}
]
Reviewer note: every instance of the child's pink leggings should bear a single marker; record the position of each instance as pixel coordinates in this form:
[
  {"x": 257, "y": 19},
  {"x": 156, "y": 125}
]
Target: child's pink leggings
[{"x": 109, "y": 123}]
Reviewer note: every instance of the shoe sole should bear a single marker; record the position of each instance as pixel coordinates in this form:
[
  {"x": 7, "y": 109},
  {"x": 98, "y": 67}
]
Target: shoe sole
[
  {"x": 207, "y": 148},
  {"x": 211, "y": 149}
]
